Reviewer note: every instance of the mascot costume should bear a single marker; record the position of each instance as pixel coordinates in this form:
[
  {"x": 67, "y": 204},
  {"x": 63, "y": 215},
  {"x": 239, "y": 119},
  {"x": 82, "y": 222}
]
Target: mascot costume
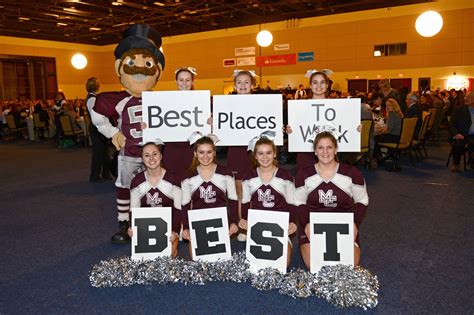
[{"x": 118, "y": 115}]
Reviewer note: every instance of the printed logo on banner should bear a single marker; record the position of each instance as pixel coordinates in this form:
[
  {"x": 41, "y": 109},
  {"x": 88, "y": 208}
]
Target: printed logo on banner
[
  {"x": 341, "y": 117},
  {"x": 228, "y": 62},
  {"x": 305, "y": 56},
  {"x": 331, "y": 239},
  {"x": 151, "y": 233},
  {"x": 278, "y": 47},
  {"x": 267, "y": 239},
  {"x": 239, "y": 118},
  {"x": 174, "y": 115},
  {"x": 244, "y": 51},
  {"x": 246, "y": 61},
  {"x": 276, "y": 60},
  {"x": 209, "y": 230}
]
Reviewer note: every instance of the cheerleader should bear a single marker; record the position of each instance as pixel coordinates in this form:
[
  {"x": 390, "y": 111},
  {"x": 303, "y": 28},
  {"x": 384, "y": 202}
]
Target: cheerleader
[
  {"x": 238, "y": 160},
  {"x": 156, "y": 187},
  {"x": 179, "y": 155},
  {"x": 208, "y": 185},
  {"x": 329, "y": 186},
  {"x": 268, "y": 187}
]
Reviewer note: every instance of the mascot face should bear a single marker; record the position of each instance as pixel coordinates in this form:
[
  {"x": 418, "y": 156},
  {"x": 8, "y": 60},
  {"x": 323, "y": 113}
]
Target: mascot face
[{"x": 138, "y": 71}]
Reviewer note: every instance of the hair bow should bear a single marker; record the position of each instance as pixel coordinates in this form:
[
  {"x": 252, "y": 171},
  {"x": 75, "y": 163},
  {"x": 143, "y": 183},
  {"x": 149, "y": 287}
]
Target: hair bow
[
  {"x": 156, "y": 141},
  {"x": 195, "y": 136},
  {"x": 190, "y": 69},
  {"x": 238, "y": 72},
  {"x": 324, "y": 128},
  {"x": 309, "y": 73},
  {"x": 264, "y": 135}
]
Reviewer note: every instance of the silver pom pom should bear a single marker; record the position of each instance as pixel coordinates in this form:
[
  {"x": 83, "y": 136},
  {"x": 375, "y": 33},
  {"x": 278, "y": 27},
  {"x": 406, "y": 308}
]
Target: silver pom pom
[
  {"x": 297, "y": 284},
  {"x": 267, "y": 279}
]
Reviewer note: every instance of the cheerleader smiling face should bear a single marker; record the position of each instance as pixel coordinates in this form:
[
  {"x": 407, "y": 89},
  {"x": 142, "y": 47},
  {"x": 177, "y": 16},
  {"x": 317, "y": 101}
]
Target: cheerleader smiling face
[
  {"x": 151, "y": 156},
  {"x": 265, "y": 155},
  {"x": 319, "y": 85},
  {"x": 205, "y": 154},
  {"x": 326, "y": 150},
  {"x": 184, "y": 81},
  {"x": 243, "y": 84}
]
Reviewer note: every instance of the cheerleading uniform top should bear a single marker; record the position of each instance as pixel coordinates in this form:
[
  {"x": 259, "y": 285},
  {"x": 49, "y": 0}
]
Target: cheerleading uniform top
[
  {"x": 275, "y": 195},
  {"x": 238, "y": 161},
  {"x": 345, "y": 192},
  {"x": 166, "y": 193},
  {"x": 177, "y": 157},
  {"x": 304, "y": 160},
  {"x": 218, "y": 191}
]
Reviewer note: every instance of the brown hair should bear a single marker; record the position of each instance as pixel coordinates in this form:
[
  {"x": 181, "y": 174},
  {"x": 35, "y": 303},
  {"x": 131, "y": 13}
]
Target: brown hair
[
  {"x": 325, "y": 135},
  {"x": 262, "y": 141},
  {"x": 195, "y": 162},
  {"x": 181, "y": 70},
  {"x": 325, "y": 76},
  {"x": 92, "y": 85},
  {"x": 158, "y": 146}
]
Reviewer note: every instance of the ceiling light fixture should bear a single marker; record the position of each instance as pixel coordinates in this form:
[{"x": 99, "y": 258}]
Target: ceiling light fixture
[
  {"x": 79, "y": 61},
  {"x": 61, "y": 24},
  {"x": 429, "y": 23},
  {"x": 158, "y": 3},
  {"x": 95, "y": 29},
  {"x": 22, "y": 18}
]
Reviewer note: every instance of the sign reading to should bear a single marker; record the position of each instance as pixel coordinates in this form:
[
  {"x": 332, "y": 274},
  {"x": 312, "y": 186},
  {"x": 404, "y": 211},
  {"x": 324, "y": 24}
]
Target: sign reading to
[
  {"x": 332, "y": 239},
  {"x": 209, "y": 230},
  {"x": 239, "y": 118},
  {"x": 151, "y": 232},
  {"x": 267, "y": 240},
  {"x": 339, "y": 116},
  {"x": 175, "y": 115}
]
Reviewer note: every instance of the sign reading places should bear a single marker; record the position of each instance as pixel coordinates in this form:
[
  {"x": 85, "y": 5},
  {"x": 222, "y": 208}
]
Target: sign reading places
[
  {"x": 151, "y": 232},
  {"x": 339, "y": 116},
  {"x": 267, "y": 240},
  {"x": 175, "y": 115},
  {"x": 239, "y": 118},
  {"x": 332, "y": 239},
  {"x": 209, "y": 230}
]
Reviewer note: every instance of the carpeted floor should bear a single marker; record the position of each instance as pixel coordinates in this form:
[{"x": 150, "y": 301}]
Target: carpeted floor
[{"x": 54, "y": 225}]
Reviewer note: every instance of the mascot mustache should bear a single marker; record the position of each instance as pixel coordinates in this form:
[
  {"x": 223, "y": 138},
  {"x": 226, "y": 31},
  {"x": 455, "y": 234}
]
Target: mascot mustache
[{"x": 140, "y": 70}]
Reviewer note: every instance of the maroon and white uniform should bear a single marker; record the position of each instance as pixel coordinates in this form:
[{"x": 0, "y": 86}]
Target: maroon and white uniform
[
  {"x": 276, "y": 195},
  {"x": 177, "y": 157},
  {"x": 167, "y": 193},
  {"x": 345, "y": 192},
  {"x": 219, "y": 191}
]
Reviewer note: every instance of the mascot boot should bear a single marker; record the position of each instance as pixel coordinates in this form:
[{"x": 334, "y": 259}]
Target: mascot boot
[{"x": 121, "y": 237}]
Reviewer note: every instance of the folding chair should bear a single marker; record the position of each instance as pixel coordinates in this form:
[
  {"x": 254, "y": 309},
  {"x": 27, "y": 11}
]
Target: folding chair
[
  {"x": 69, "y": 131},
  {"x": 406, "y": 140},
  {"x": 18, "y": 131}
]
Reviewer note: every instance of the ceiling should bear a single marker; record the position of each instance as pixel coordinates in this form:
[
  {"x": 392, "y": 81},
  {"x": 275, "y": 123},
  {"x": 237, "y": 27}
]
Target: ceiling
[{"x": 102, "y": 22}]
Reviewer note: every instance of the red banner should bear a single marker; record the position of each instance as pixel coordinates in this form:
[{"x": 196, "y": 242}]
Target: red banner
[{"x": 276, "y": 60}]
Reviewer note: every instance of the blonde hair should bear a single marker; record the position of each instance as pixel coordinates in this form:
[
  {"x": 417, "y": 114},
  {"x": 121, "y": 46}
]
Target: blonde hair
[{"x": 395, "y": 107}]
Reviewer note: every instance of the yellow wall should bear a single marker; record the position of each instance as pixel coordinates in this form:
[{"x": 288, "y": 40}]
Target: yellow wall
[{"x": 343, "y": 43}]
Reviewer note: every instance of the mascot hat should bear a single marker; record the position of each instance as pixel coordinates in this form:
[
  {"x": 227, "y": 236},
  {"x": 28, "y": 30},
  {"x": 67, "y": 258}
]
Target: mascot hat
[{"x": 141, "y": 36}]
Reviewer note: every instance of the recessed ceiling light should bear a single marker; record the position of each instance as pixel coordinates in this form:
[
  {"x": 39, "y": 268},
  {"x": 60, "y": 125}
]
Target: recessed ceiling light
[
  {"x": 94, "y": 29},
  {"x": 158, "y": 3},
  {"x": 61, "y": 24},
  {"x": 22, "y": 18}
]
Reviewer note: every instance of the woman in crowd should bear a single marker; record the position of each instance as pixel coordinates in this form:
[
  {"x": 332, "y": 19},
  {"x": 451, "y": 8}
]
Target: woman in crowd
[
  {"x": 208, "y": 185},
  {"x": 268, "y": 187},
  {"x": 343, "y": 183},
  {"x": 178, "y": 155},
  {"x": 238, "y": 160},
  {"x": 391, "y": 131},
  {"x": 426, "y": 102},
  {"x": 156, "y": 187}
]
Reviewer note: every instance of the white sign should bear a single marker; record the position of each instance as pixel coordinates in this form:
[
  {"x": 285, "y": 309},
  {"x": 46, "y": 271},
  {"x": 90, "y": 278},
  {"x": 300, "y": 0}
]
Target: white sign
[
  {"x": 278, "y": 47},
  {"x": 332, "y": 239},
  {"x": 340, "y": 116},
  {"x": 239, "y": 118},
  {"x": 175, "y": 115},
  {"x": 267, "y": 240},
  {"x": 246, "y": 61},
  {"x": 209, "y": 230},
  {"x": 151, "y": 232},
  {"x": 244, "y": 51}
]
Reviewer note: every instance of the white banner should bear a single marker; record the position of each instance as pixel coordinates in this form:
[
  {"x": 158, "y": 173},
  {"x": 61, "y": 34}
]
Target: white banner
[
  {"x": 239, "y": 118},
  {"x": 278, "y": 47},
  {"x": 267, "y": 239},
  {"x": 246, "y": 61},
  {"x": 341, "y": 116},
  {"x": 209, "y": 230},
  {"x": 244, "y": 51},
  {"x": 332, "y": 239},
  {"x": 173, "y": 116},
  {"x": 151, "y": 232}
]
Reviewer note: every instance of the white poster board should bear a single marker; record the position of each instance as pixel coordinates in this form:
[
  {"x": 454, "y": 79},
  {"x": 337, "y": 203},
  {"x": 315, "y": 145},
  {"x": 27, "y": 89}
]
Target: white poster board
[
  {"x": 342, "y": 116},
  {"x": 239, "y": 118},
  {"x": 209, "y": 230},
  {"x": 151, "y": 232},
  {"x": 173, "y": 116},
  {"x": 332, "y": 239},
  {"x": 267, "y": 239}
]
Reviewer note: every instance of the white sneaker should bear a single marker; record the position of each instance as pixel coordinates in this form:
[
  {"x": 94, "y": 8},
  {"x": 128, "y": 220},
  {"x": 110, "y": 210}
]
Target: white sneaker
[{"x": 242, "y": 237}]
